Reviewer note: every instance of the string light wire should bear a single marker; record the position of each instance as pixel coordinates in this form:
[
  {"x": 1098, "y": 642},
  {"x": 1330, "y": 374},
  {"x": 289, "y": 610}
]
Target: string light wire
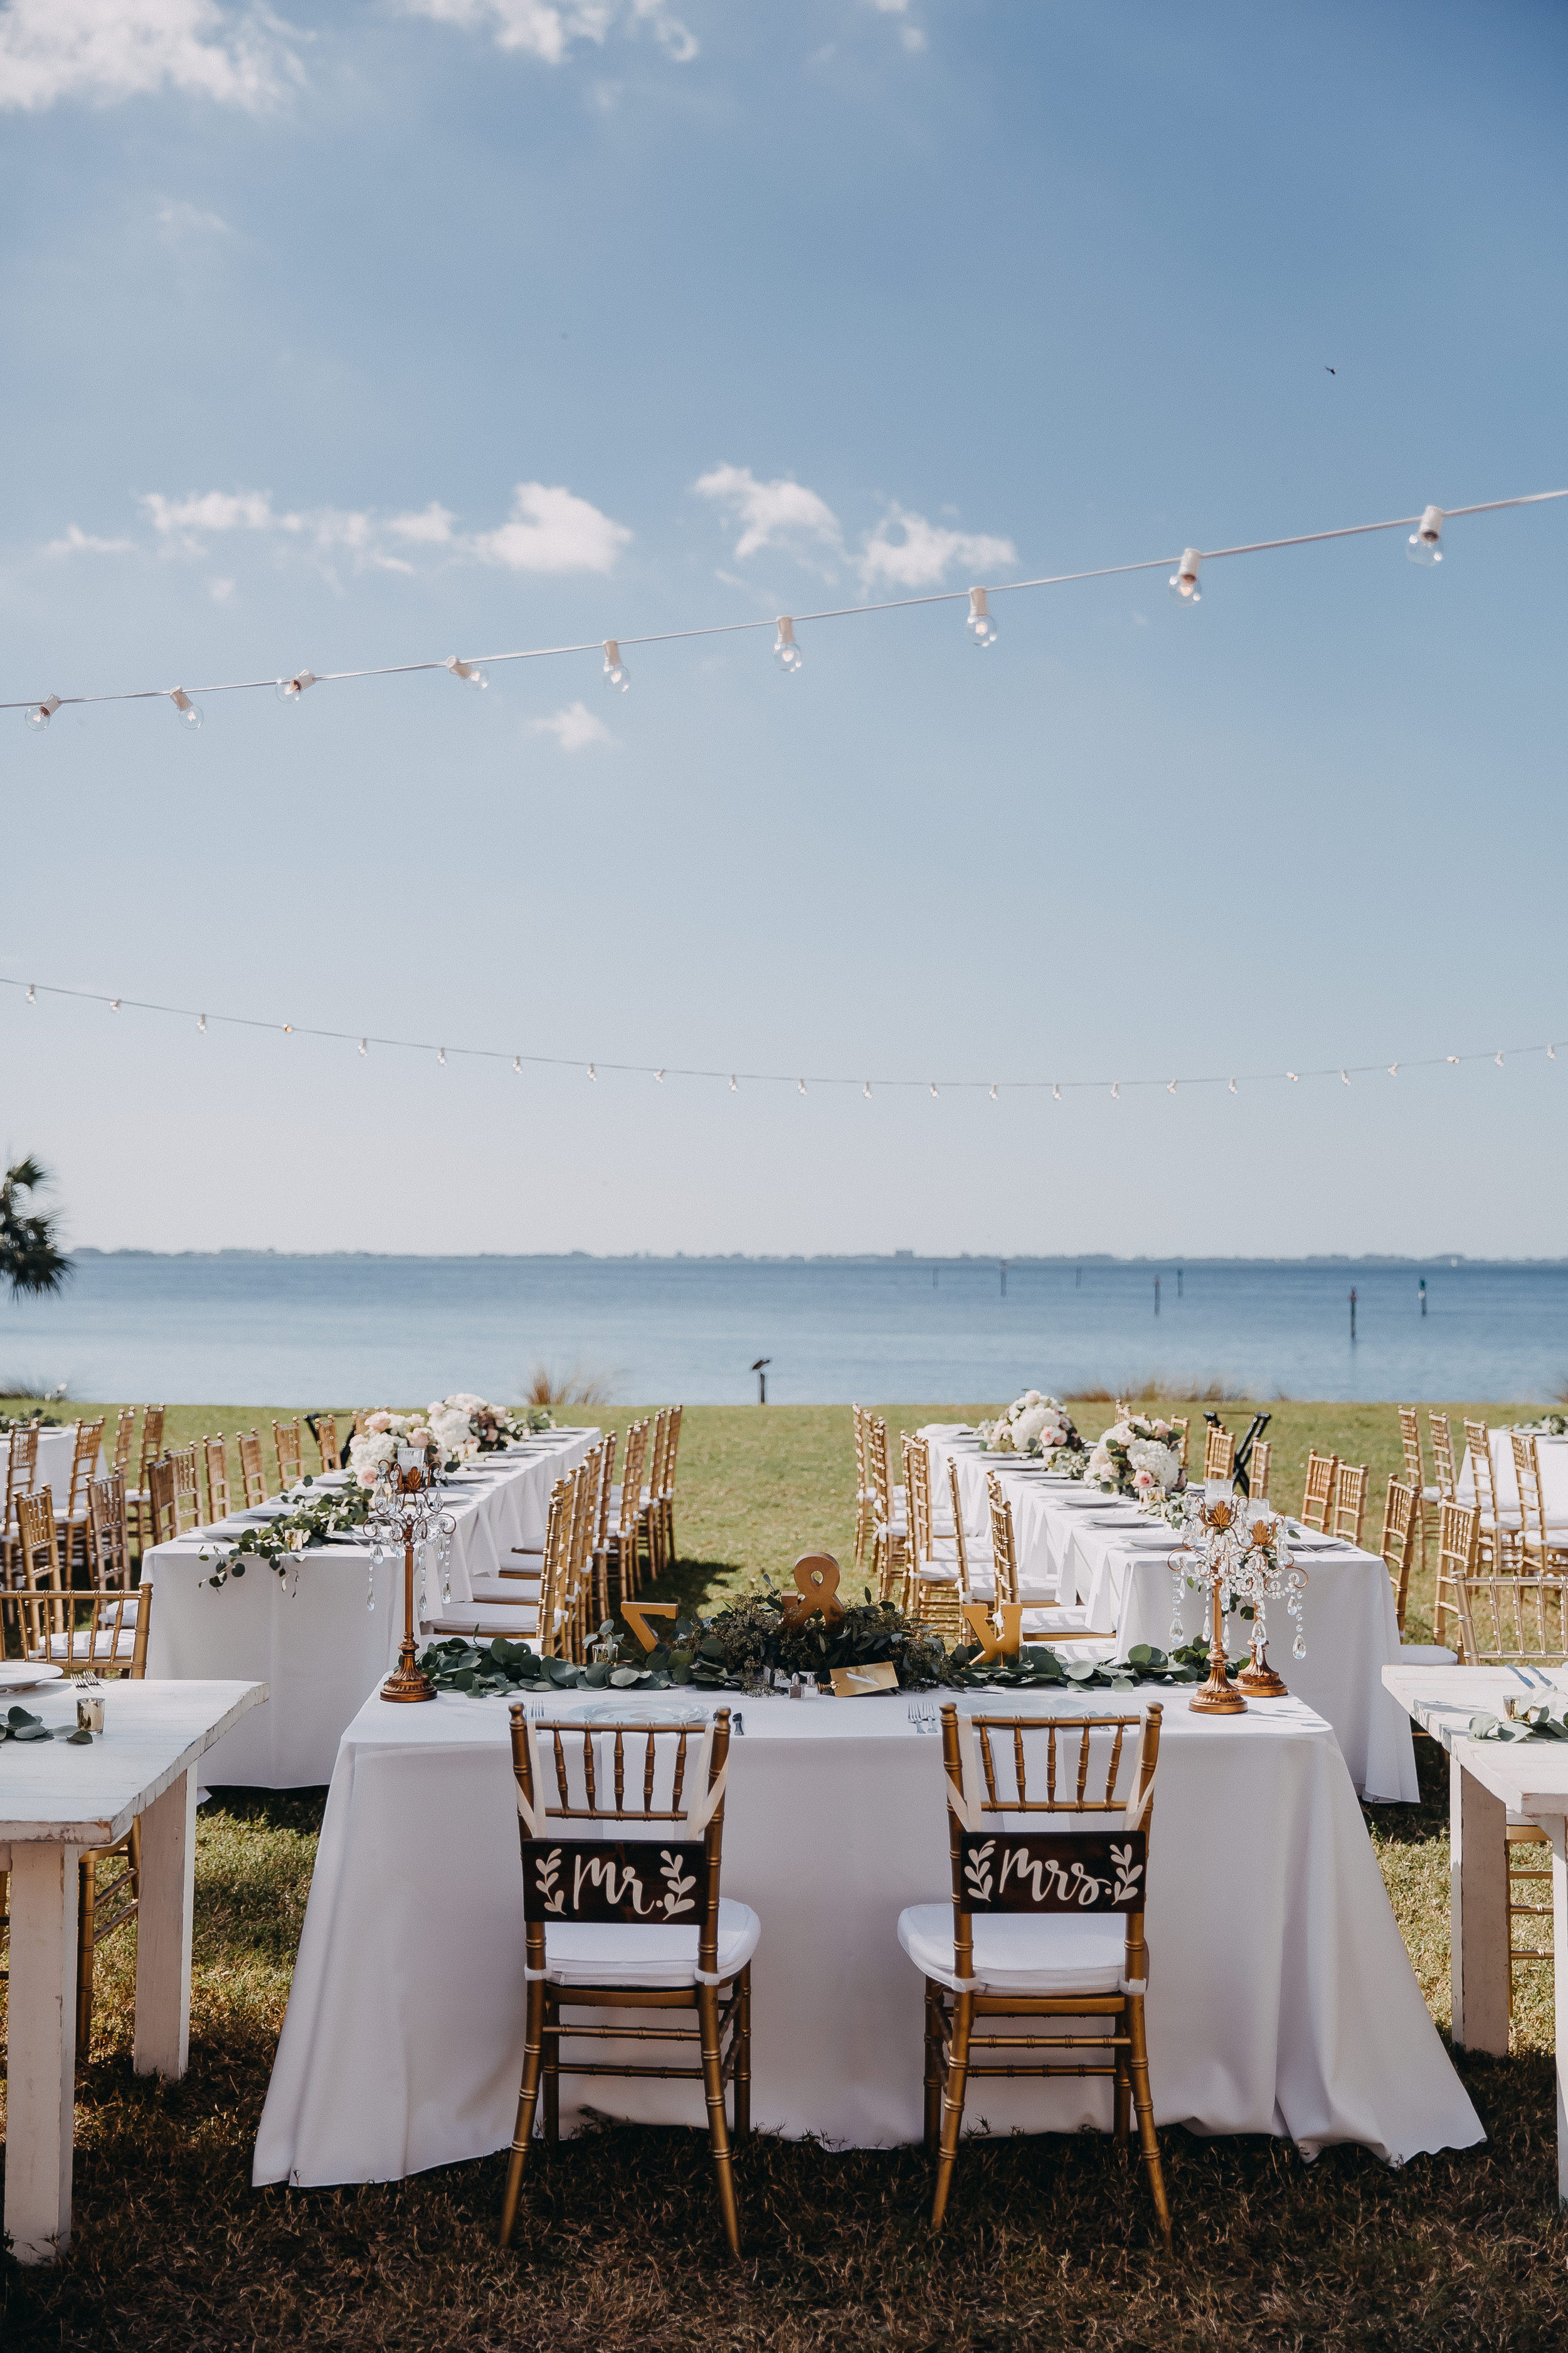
[
  {"x": 461, "y": 666},
  {"x": 363, "y": 1041}
]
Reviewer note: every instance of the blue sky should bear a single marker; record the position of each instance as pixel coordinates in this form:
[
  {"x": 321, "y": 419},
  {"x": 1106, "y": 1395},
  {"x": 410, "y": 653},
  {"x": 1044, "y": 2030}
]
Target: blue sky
[{"x": 391, "y": 330}]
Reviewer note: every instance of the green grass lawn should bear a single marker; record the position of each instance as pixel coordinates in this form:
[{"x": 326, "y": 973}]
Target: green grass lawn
[{"x": 1048, "y": 2242}]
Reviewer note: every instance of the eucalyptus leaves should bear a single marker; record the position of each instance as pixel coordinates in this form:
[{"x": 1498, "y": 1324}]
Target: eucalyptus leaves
[
  {"x": 1539, "y": 1721},
  {"x": 17, "y": 1724},
  {"x": 278, "y": 1545}
]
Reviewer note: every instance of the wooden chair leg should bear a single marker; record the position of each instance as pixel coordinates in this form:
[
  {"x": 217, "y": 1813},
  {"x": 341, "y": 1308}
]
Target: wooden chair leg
[
  {"x": 955, "y": 2084},
  {"x": 552, "y": 2040},
  {"x": 934, "y": 2022},
  {"x": 1149, "y": 2147},
  {"x": 742, "y": 2049},
  {"x": 527, "y": 2102},
  {"x": 713, "y": 2084},
  {"x": 1123, "y": 2112}
]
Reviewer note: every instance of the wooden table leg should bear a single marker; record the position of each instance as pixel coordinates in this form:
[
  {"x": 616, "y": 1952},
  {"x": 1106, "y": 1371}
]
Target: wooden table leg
[
  {"x": 40, "y": 2092},
  {"x": 163, "y": 1930},
  {"x": 1477, "y": 1893}
]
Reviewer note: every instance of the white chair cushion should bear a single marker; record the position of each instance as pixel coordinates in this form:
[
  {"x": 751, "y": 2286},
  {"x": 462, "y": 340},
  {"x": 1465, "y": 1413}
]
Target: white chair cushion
[
  {"x": 641, "y": 1952},
  {"x": 123, "y": 1612},
  {"x": 1428, "y": 1654},
  {"x": 1013, "y": 1953},
  {"x": 104, "y": 1646}
]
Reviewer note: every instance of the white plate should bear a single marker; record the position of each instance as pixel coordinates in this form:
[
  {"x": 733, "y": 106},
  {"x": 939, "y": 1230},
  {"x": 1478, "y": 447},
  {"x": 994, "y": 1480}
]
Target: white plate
[{"x": 21, "y": 1675}]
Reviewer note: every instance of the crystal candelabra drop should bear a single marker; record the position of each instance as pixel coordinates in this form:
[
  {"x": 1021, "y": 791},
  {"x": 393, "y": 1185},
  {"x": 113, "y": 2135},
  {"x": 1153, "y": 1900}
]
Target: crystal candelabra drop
[
  {"x": 407, "y": 1518},
  {"x": 1240, "y": 1553}
]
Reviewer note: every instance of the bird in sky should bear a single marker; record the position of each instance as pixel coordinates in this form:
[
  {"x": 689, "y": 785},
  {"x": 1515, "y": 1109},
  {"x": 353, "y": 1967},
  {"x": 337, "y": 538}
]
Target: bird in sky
[{"x": 1331, "y": 370}]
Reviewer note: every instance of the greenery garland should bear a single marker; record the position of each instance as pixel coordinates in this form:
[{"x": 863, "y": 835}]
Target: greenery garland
[{"x": 332, "y": 1513}]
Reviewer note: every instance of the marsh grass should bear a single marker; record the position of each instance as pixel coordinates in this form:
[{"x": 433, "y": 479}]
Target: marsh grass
[{"x": 1047, "y": 2244}]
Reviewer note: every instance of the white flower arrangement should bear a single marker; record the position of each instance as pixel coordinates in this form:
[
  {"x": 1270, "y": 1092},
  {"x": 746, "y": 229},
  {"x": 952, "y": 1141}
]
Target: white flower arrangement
[
  {"x": 458, "y": 1427},
  {"x": 1035, "y": 1426},
  {"x": 1137, "y": 1456},
  {"x": 377, "y": 1444}
]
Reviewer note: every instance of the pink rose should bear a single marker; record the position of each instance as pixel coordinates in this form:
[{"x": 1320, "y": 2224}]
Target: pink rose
[{"x": 380, "y": 1423}]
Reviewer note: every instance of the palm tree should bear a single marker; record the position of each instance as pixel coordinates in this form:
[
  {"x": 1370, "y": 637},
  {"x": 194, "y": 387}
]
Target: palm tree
[{"x": 30, "y": 1257}]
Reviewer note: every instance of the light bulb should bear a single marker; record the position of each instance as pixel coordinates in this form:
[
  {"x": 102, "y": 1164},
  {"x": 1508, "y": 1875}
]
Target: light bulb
[
  {"x": 469, "y": 673},
  {"x": 39, "y": 714},
  {"x": 1422, "y": 547},
  {"x": 187, "y": 710},
  {"x": 289, "y": 689},
  {"x": 1184, "y": 581},
  {"x": 787, "y": 653},
  {"x": 618, "y": 676},
  {"x": 981, "y": 628}
]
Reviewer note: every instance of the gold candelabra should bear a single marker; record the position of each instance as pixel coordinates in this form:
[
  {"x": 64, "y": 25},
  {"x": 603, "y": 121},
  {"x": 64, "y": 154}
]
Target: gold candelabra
[{"x": 405, "y": 1514}]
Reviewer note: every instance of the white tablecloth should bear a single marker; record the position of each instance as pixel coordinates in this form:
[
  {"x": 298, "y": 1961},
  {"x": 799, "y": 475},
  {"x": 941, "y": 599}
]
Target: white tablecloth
[
  {"x": 1280, "y": 1995},
  {"x": 310, "y": 1636},
  {"x": 1352, "y": 1626}
]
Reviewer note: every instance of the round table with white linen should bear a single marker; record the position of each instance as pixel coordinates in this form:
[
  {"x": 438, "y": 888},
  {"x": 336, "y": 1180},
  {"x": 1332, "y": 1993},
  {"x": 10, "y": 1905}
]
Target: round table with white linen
[
  {"x": 312, "y": 1635},
  {"x": 1077, "y": 1545},
  {"x": 1280, "y": 1997}
]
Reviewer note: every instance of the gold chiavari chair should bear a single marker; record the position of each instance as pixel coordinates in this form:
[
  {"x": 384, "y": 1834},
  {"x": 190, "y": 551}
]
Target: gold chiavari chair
[
  {"x": 635, "y": 1922},
  {"x": 1179, "y": 1423},
  {"x": 1066, "y": 1623},
  {"x": 139, "y": 1497},
  {"x": 326, "y": 1428},
  {"x": 1517, "y": 1618},
  {"x": 1500, "y": 1529},
  {"x": 650, "y": 1522},
  {"x": 1219, "y": 1452},
  {"x": 21, "y": 1471},
  {"x": 1415, "y": 1476},
  {"x": 110, "y": 1531},
  {"x": 110, "y": 1638},
  {"x": 585, "y": 1616},
  {"x": 162, "y": 1517},
  {"x": 214, "y": 1461},
  {"x": 71, "y": 1525},
  {"x": 252, "y": 1470},
  {"x": 980, "y": 1962},
  {"x": 124, "y": 1438},
  {"x": 1443, "y": 1458},
  {"x": 962, "y": 1538},
  {"x": 602, "y": 1523},
  {"x": 622, "y": 1582},
  {"x": 187, "y": 1490},
  {"x": 1542, "y": 1541},
  {"x": 865, "y": 1497},
  {"x": 1349, "y": 1516},
  {"x": 667, "y": 1498},
  {"x": 889, "y": 1531},
  {"x": 1398, "y": 1543},
  {"x": 288, "y": 1438},
  {"x": 1458, "y": 1560},
  {"x": 1318, "y": 1495},
  {"x": 932, "y": 1587},
  {"x": 1004, "y": 1547},
  {"x": 1258, "y": 1467}
]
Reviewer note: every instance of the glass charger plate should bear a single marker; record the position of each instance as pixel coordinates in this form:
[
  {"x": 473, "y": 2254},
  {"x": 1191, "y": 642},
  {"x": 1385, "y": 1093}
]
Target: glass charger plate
[{"x": 637, "y": 1712}]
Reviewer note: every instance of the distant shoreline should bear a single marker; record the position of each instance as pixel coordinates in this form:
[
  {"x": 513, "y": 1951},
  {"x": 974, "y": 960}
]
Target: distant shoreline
[{"x": 831, "y": 1258}]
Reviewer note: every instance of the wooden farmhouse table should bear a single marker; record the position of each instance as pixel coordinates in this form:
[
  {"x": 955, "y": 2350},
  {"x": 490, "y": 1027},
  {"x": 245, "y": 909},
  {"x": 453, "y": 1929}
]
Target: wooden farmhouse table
[
  {"x": 1488, "y": 1780},
  {"x": 56, "y": 1800}
]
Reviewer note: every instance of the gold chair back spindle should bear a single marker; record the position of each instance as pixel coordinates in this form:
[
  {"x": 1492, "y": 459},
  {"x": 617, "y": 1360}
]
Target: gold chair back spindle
[
  {"x": 1257, "y": 1469},
  {"x": 187, "y": 1490},
  {"x": 124, "y": 1439},
  {"x": 1004, "y": 1551},
  {"x": 865, "y": 1501},
  {"x": 161, "y": 1511},
  {"x": 215, "y": 1461},
  {"x": 1347, "y": 1517},
  {"x": 1443, "y": 1459},
  {"x": 252, "y": 1470},
  {"x": 327, "y": 1441},
  {"x": 671, "y": 1455},
  {"x": 288, "y": 1438},
  {"x": 76, "y": 1549},
  {"x": 1219, "y": 1452}
]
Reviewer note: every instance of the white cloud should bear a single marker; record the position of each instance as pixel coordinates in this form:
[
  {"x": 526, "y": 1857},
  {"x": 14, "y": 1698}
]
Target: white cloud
[
  {"x": 431, "y": 527},
  {"x": 552, "y": 531},
  {"x": 549, "y": 29},
  {"x": 910, "y": 34},
  {"x": 102, "y": 50},
  {"x": 575, "y": 728},
  {"x": 781, "y": 513},
  {"x": 178, "y": 219},
  {"x": 925, "y": 552},
  {"x": 212, "y": 510},
  {"x": 78, "y": 542},
  {"x": 220, "y": 591}
]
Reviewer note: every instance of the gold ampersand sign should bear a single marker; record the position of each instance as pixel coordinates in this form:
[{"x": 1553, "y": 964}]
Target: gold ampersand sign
[{"x": 816, "y": 1579}]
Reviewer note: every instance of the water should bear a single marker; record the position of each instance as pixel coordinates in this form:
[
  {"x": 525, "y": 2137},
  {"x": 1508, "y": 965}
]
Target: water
[{"x": 235, "y": 1328}]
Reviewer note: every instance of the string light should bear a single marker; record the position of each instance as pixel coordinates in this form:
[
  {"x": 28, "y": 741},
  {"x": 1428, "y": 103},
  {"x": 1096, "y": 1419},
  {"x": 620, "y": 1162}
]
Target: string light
[
  {"x": 659, "y": 1076},
  {"x": 1499, "y": 1061},
  {"x": 618, "y": 676},
  {"x": 1423, "y": 548},
  {"x": 787, "y": 653},
  {"x": 187, "y": 710},
  {"x": 981, "y": 628},
  {"x": 1394, "y": 1070},
  {"x": 934, "y": 1090},
  {"x": 993, "y": 1088},
  {"x": 468, "y": 671},
  {"x": 441, "y": 1056}
]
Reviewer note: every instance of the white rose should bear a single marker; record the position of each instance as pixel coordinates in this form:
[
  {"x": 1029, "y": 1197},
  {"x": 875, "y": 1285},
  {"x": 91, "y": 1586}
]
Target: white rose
[
  {"x": 1027, "y": 1427},
  {"x": 1161, "y": 1462}
]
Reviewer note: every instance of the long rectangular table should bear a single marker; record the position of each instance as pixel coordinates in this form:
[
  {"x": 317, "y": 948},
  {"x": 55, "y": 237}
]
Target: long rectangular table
[
  {"x": 1082, "y": 1546},
  {"x": 56, "y": 1800},
  {"x": 1280, "y": 1999},
  {"x": 1487, "y": 1781},
  {"x": 312, "y": 1635}
]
